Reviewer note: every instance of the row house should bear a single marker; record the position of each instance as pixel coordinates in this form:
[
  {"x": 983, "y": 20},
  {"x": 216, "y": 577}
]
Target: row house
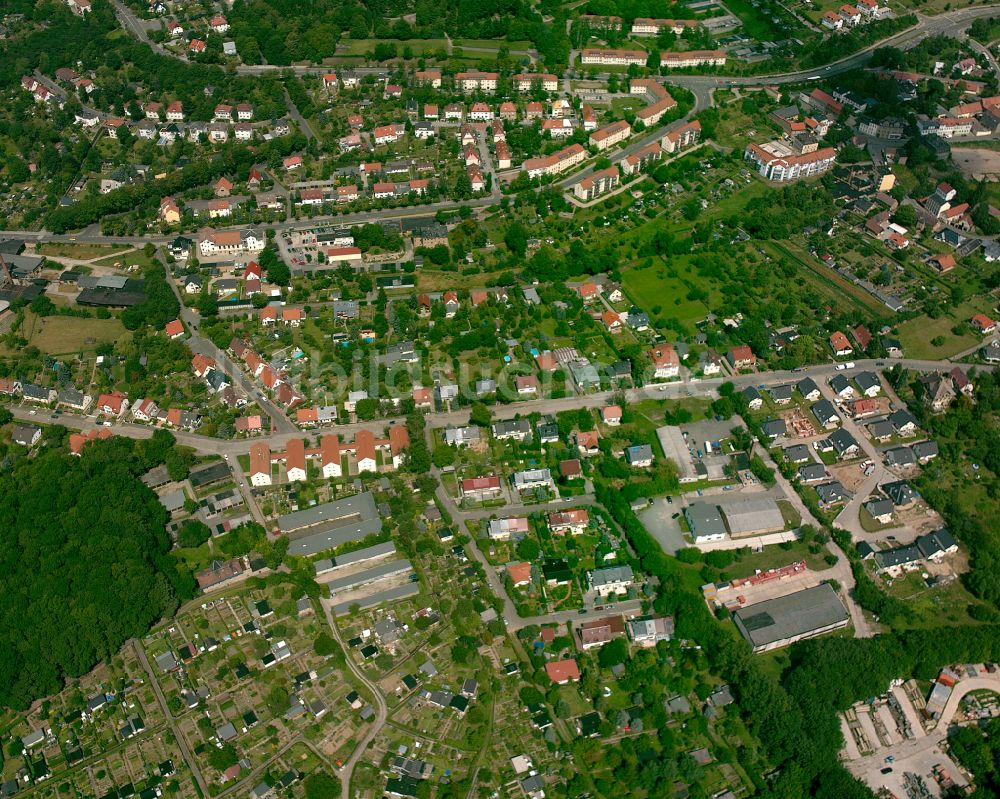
[
  {"x": 610, "y": 135},
  {"x": 613, "y": 57},
  {"x": 527, "y": 81},
  {"x": 654, "y": 112},
  {"x": 230, "y": 242},
  {"x": 477, "y": 81},
  {"x": 636, "y": 162},
  {"x": 558, "y": 128},
  {"x": 693, "y": 58},
  {"x": 643, "y": 26},
  {"x": 686, "y": 135},
  {"x": 428, "y": 77},
  {"x": 597, "y": 184},
  {"x": 789, "y": 167},
  {"x": 556, "y": 163}
]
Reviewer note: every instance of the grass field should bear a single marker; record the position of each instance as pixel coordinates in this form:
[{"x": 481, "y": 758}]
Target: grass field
[
  {"x": 774, "y": 557},
  {"x": 358, "y": 47},
  {"x": 917, "y": 334},
  {"x": 622, "y": 104},
  {"x": 134, "y": 258},
  {"x": 79, "y": 252},
  {"x": 653, "y": 287},
  {"x": 59, "y": 335},
  {"x": 492, "y": 44}
]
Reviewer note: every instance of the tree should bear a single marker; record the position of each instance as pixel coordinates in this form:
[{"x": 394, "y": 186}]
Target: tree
[
  {"x": 366, "y": 408},
  {"x": 193, "y": 533},
  {"x": 480, "y": 415},
  {"x": 613, "y": 653},
  {"x": 516, "y": 239},
  {"x": 444, "y": 456},
  {"x": 222, "y": 758},
  {"x": 905, "y": 215},
  {"x": 320, "y": 785},
  {"x": 326, "y": 645}
]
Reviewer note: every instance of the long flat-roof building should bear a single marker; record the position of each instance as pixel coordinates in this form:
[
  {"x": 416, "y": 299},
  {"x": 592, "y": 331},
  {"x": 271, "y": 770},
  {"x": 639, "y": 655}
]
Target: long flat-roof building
[
  {"x": 779, "y": 622},
  {"x": 322, "y": 527},
  {"x": 752, "y": 516}
]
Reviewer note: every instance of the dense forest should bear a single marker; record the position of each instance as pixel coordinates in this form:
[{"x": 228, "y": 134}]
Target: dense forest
[
  {"x": 84, "y": 555},
  {"x": 286, "y": 31}
]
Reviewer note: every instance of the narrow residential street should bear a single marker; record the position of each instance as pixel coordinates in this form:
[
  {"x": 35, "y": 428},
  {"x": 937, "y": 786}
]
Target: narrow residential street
[
  {"x": 381, "y": 709},
  {"x": 165, "y": 709}
]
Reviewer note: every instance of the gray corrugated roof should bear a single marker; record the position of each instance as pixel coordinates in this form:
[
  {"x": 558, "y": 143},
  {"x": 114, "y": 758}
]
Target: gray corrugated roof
[{"x": 790, "y": 616}]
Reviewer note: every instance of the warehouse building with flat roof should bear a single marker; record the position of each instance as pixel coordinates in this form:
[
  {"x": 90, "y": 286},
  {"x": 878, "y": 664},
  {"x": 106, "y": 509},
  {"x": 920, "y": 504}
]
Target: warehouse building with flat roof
[
  {"x": 752, "y": 516},
  {"x": 779, "y": 622},
  {"x": 323, "y": 527}
]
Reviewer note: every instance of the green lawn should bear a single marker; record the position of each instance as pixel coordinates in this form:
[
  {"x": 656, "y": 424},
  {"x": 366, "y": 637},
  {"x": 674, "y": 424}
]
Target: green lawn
[
  {"x": 492, "y": 44},
  {"x": 654, "y": 288},
  {"x": 135, "y": 258},
  {"x": 358, "y": 47},
  {"x": 622, "y": 104},
  {"x": 917, "y": 334},
  {"x": 776, "y": 556}
]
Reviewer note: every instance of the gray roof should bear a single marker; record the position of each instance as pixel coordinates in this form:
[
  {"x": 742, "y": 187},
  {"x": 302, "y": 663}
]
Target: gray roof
[
  {"x": 879, "y": 507},
  {"x": 936, "y": 543},
  {"x": 925, "y": 449},
  {"x": 330, "y": 525},
  {"x": 867, "y": 380},
  {"x": 812, "y": 471},
  {"x": 511, "y": 426},
  {"x": 806, "y": 386},
  {"x": 752, "y": 515},
  {"x": 797, "y": 453},
  {"x": 226, "y": 732},
  {"x": 774, "y": 428},
  {"x": 704, "y": 519},
  {"x": 750, "y": 394},
  {"x": 24, "y": 434},
  {"x": 882, "y": 429},
  {"x": 791, "y": 616},
  {"x": 638, "y": 453},
  {"x": 368, "y": 553},
  {"x": 610, "y": 575},
  {"x": 782, "y": 392},
  {"x": 843, "y": 441},
  {"x": 678, "y": 704},
  {"x": 900, "y": 456},
  {"x": 824, "y": 411},
  {"x": 901, "y": 418},
  {"x": 369, "y": 575},
  {"x": 389, "y": 595},
  {"x": 900, "y": 492},
  {"x": 831, "y": 492},
  {"x": 900, "y": 556},
  {"x": 839, "y": 383}
]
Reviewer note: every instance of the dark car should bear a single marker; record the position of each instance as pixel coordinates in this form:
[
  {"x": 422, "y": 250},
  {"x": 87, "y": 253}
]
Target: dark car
[{"x": 887, "y": 770}]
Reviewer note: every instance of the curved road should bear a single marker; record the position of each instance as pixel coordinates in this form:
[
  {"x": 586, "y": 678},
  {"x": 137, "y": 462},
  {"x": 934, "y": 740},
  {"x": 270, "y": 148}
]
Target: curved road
[{"x": 381, "y": 715}]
